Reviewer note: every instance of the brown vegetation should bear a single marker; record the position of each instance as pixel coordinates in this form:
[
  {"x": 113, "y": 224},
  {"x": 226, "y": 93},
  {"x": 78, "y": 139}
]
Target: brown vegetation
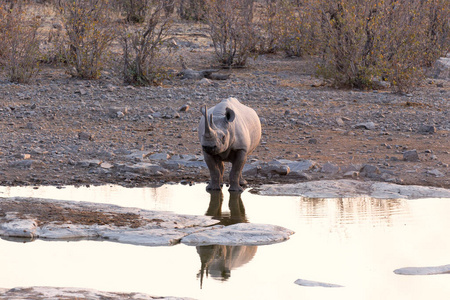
[{"x": 356, "y": 41}]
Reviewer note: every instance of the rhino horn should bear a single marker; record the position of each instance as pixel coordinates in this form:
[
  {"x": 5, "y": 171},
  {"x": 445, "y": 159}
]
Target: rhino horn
[{"x": 204, "y": 111}]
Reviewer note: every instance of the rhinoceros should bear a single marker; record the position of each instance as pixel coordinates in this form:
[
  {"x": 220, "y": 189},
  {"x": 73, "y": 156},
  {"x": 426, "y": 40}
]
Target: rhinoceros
[{"x": 228, "y": 132}]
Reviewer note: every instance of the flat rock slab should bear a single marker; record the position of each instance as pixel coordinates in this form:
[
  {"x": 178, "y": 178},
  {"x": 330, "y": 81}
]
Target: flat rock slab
[
  {"x": 239, "y": 234},
  {"x": 352, "y": 188},
  {"x": 69, "y": 220},
  {"x": 66, "y": 220},
  {"x": 44, "y": 293},
  {"x": 423, "y": 270},
  {"x": 310, "y": 283}
]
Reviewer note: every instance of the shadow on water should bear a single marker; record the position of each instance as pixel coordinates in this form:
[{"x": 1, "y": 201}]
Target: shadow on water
[{"x": 217, "y": 261}]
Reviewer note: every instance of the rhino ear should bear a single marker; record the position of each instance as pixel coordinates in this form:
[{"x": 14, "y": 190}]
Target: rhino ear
[{"x": 229, "y": 115}]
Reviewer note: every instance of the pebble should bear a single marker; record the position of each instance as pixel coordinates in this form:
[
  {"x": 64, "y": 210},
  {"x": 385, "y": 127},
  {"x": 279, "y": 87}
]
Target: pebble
[{"x": 411, "y": 155}]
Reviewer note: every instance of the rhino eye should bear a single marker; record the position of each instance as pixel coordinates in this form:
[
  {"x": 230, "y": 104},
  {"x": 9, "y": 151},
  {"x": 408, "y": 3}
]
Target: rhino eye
[{"x": 223, "y": 140}]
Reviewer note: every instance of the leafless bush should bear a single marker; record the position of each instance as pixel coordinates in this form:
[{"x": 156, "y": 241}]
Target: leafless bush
[
  {"x": 192, "y": 9},
  {"x": 231, "y": 30},
  {"x": 19, "y": 47},
  {"x": 288, "y": 26},
  {"x": 90, "y": 33},
  {"x": 142, "y": 47}
]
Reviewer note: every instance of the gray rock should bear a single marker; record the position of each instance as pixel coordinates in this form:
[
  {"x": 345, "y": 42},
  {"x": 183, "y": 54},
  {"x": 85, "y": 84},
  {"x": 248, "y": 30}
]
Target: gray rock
[
  {"x": 22, "y": 164},
  {"x": 330, "y": 168},
  {"x": 205, "y": 81},
  {"x": 137, "y": 155},
  {"x": 411, "y": 155},
  {"x": 159, "y": 156},
  {"x": 89, "y": 163},
  {"x": 369, "y": 170},
  {"x": 184, "y": 108},
  {"x": 45, "y": 292},
  {"x": 351, "y": 174},
  {"x": 304, "y": 282},
  {"x": 85, "y": 136},
  {"x": 106, "y": 165},
  {"x": 427, "y": 129},
  {"x": 352, "y": 188},
  {"x": 441, "y": 69},
  {"x": 142, "y": 168},
  {"x": 436, "y": 173},
  {"x": 239, "y": 234},
  {"x": 445, "y": 269},
  {"x": 340, "y": 122},
  {"x": 365, "y": 125},
  {"x": 116, "y": 112}
]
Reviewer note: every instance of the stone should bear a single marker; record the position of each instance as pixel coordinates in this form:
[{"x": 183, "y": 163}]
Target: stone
[
  {"x": 445, "y": 269},
  {"x": 365, "y": 125},
  {"x": 22, "y": 164},
  {"x": 143, "y": 168},
  {"x": 369, "y": 170},
  {"x": 436, "y": 173},
  {"x": 116, "y": 112},
  {"x": 45, "y": 292},
  {"x": 340, "y": 122},
  {"x": 137, "y": 155},
  {"x": 330, "y": 168},
  {"x": 427, "y": 129},
  {"x": 411, "y": 155},
  {"x": 106, "y": 165},
  {"x": 352, "y": 188},
  {"x": 351, "y": 174},
  {"x": 312, "y": 141},
  {"x": 441, "y": 69},
  {"x": 89, "y": 163},
  {"x": 159, "y": 156},
  {"x": 239, "y": 234},
  {"x": 310, "y": 283},
  {"x": 205, "y": 81},
  {"x": 184, "y": 108},
  {"x": 85, "y": 136}
]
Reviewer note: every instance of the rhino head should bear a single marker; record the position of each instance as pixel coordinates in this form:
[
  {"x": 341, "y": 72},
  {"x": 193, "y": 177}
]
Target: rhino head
[{"x": 217, "y": 135}]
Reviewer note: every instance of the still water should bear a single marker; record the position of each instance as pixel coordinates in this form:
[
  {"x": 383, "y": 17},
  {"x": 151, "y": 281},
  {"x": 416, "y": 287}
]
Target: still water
[{"x": 353, "y": 242}]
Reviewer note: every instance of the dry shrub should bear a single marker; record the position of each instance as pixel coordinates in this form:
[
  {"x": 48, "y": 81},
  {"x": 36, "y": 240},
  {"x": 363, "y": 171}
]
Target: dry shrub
[
  {"x": 288, "y": 26},
  {"x": 143, "y": 58},
  {"x": 135, "y": 10},
  {"x": 395, "y": 40},
  {"x": 232, "y": 30},
  {"x": 19, "y": 47},
  {"x": 90, "y": 32},
  {"x": 299, "y": 27},
  {"x": 415, "y": 35},
  {"x": 192, "y": 9}
]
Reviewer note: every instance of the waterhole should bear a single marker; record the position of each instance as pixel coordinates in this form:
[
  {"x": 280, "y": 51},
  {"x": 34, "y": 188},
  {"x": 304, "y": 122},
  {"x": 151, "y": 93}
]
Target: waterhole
[{"x": 353, "y": 243}]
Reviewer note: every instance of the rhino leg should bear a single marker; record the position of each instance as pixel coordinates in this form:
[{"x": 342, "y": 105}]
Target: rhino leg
[
  {"x": 238, "y": 162},
  {"x": 215, "y": 167}
]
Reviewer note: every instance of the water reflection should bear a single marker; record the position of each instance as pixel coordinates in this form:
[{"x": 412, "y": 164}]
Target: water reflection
[
  {"x": 217, "y": 261},
  {"x": 235, "y": 204},
  {"x": 354, "y": 210}
]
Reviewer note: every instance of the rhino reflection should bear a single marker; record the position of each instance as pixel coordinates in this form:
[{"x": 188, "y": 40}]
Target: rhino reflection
[
  {"x": 235, "y": 204},
  {"x": 217, "y": 261}
]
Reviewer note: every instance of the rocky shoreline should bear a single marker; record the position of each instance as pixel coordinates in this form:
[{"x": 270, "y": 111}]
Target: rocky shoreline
[{"x": 63, "y": 131}]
